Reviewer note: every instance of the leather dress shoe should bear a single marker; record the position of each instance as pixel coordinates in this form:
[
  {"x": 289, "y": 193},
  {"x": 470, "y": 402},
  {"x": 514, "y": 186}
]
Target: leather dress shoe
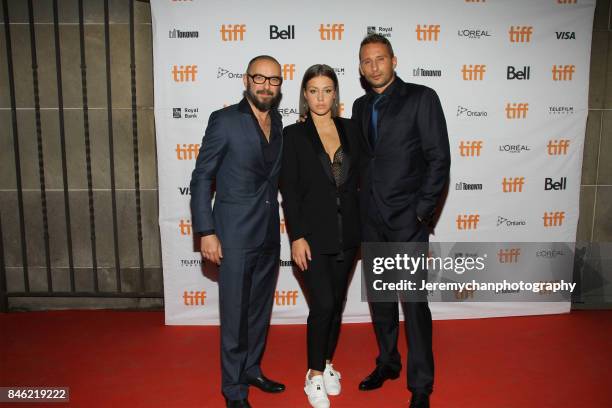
[
  {"x": 243, "y": 403},
  {"x": 419, "y": 401},
  {"x": 265, "y": 384},
  {"x": 377, "y": 378}
]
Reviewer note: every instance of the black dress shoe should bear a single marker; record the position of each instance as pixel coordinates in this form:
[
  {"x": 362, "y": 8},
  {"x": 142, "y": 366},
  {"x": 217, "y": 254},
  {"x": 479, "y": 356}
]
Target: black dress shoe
[
  {"x": 243, "y": 403},
  {"x": 377, "y": 378},
  {"x": 419, "y": 401},
  {"x": 265, "y": 384}
]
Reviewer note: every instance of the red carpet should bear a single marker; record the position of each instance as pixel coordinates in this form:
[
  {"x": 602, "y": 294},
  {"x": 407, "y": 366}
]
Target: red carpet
[{"x": 130, "y": 359}]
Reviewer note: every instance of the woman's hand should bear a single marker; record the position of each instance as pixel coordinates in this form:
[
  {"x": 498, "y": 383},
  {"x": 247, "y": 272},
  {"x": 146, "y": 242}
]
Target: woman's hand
[{"x": 300, "y": 253}]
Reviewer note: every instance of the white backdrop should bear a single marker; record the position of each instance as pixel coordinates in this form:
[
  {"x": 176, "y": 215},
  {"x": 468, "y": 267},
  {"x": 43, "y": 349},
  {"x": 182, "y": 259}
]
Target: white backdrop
[{"x": 512, "y": 77}]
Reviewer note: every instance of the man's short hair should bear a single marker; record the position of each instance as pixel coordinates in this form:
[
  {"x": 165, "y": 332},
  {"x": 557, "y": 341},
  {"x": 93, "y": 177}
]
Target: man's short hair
[
  {"x": 261, "y": 57},
  {"x": 376, "y": 39}
]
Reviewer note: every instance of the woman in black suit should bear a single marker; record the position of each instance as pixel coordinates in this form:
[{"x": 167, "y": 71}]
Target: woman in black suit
[{"x": 319, "y": 180}]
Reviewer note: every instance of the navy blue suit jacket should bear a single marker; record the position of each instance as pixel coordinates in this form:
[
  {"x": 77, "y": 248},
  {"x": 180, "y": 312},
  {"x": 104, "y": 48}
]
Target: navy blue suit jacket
[{"x": 231, "y": 159}]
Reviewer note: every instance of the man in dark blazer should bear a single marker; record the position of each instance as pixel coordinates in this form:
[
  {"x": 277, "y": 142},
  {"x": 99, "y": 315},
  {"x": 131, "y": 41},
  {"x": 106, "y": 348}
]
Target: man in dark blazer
[
  {"x": 241, "y": 155},
  {"x": 404, "y": 172}
]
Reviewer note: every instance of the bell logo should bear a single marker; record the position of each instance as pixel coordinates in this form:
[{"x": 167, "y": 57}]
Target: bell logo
[
  {"x": 426, "y": 32},
  {"x": 185, "y": 227},
  {"x": 184, "y": 73},
  {"x": 194, "y": 298},
  {"x": 232, "y": 32},
  {"x": 508, "y": 255},
  {"x": 470, "y": 149},
  {"x": 517, "y": 110},
  {"x": 285, "y": 298},
  {"x": 513, "y": 185},
  {"x": 331, "y": 32},
  {"x": 288, "y": 71},
  {"x": 513, "y": 73},
  {"x": 557, "y": 147},
  {"x": 276, "y": 33},
  {"x": 473, "y": 72},
  {"x": 551, "y": 184},
  {"x": 563, "y": 72},
  {"x": 187, "y": 151},
  {"x": 467, "y": 222},
  {"x": 553, "y": 219},
  {"x": 520, "y": 34}
]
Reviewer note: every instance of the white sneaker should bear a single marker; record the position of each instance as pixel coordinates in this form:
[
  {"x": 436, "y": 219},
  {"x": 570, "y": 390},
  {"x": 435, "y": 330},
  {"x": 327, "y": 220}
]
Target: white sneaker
[
  {"x": 315, "y": 389},
  {"x": 331, "y": 378}
]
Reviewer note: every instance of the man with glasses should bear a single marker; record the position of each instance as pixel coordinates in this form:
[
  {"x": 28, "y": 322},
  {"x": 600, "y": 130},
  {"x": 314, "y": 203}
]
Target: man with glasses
[{"x": 240, "y": 156}]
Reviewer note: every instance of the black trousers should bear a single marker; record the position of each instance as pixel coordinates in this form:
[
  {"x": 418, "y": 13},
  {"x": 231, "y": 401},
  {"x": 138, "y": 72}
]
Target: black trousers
[
  {"x": 247, "y": 280},
  {"x": 326, "y": 281},
  {"x": 417, "y": 317}
]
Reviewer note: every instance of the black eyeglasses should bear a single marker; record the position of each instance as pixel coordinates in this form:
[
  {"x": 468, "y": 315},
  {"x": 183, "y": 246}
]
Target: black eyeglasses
[{"x": 260, "y": 79}]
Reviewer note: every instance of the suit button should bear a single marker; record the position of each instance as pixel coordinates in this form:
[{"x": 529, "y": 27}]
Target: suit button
[{"x": 267, "y": 201}]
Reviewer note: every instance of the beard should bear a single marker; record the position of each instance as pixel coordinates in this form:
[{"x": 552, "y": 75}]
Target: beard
[{"x": 263, "y": 106}]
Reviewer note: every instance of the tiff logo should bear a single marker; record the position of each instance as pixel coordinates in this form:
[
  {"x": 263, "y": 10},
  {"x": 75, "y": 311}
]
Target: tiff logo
[
  {"x": 185, "y": 227},
  {"x": 563, "y": 73},
  {"x": 550, "y": 184},
  {"x": 508, "y": 255},
  {"x": 473, "y": 72},
  {"x": 513, "y": 73},
  {"x": 232, "y": 32},
  {"x": 194, "y": 298},
  {"x": 553, "y": 218},
  {"x": 427, "y": 32},
  {"x": 517, "y": 110},
  {"x": 285, "y": 298},
  {"x": 520, "y": 34},
  {"x": 557, "y": 147},
  {"x": 513, "y": 185},
  {"x": 288, "y": 71},
  {"x": 187, "y": 151},
  {"x": 470, "y": 148},
  {"x": 331, "y": 32},
  {"x": 184, "y": 73},
  {"x": 467, "y": 222}
]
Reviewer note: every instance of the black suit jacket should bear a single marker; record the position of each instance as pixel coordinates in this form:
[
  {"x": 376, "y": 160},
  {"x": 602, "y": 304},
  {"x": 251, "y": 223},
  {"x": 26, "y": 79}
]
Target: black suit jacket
[
  {"x": 405, "y": 174},
  {"x": 309, "y": 191}
]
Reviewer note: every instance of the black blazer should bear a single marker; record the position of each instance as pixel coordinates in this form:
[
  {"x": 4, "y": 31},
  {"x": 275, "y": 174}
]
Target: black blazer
[
  {"x": 309, "y": 191},
  {"x": 405, "y": 174}
]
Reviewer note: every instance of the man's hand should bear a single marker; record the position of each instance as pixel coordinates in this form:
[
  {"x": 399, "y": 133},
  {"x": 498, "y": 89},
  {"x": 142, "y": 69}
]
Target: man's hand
[
  {"x": 300, "y": 253},
  {"x": 211, "y": 248}
]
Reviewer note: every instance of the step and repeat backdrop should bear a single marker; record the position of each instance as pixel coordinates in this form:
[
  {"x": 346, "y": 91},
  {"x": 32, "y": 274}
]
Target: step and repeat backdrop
[{"x": 513, "y": 80}]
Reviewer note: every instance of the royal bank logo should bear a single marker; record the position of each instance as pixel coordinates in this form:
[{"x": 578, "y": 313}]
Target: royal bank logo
[
  {"x": 473, "y": 34},
  {"x": 462, "y": 111},
  {"x": 560, "y": 110},
  {"x": 510, "y": 223},
  {"x": 426, "y": 72},
  {"x": 277, "y": 33},
  {"x": 384, "y": 31},
  {"x": 180, "y": 34},
  {"x": 461, "y": 186},
  {"x": 513, "y": 148},
  {"x": 226, "y": 73},
  {"x": 185, "y": 113}
]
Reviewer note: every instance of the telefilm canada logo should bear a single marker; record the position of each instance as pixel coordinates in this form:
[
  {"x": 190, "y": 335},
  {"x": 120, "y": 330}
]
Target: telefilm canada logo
[{"x": 560, "y": 110}]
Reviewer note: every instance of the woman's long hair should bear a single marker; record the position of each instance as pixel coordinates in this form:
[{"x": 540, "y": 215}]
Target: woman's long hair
[{"x": 315, "y": 71}]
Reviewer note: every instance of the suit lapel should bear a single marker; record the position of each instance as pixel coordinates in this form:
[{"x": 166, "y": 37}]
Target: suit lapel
[
  {"x": 346, "y": 149},
  {"x": 314, "y": 138}
]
